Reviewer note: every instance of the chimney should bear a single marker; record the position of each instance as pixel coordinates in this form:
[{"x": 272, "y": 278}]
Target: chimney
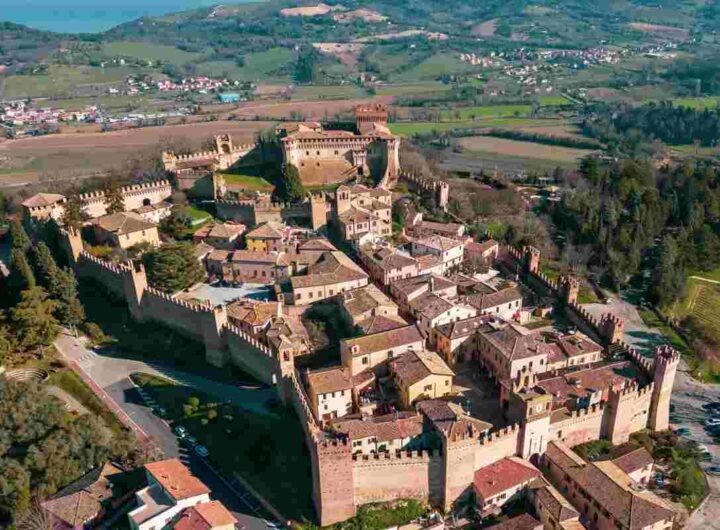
[{"x": 278, "y": 310}]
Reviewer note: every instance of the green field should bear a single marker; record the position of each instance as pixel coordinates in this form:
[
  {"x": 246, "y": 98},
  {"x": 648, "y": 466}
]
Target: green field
[
  {"x": 145, "y": 51},
  {"x": 247, "y": 182},
  {"x": 63, "y": 80},
  {"x": 697, "y": 103},
  {"x": 413, "y": 89},
  {"x": 435, "y": 66},
  {"x": 329, "y": 92},
  {"x": 273, "y": 64},
  {"x": 424, "y": 127},
  {"x": 703, "y": 302},
  {"x": 487, "y": 111}
]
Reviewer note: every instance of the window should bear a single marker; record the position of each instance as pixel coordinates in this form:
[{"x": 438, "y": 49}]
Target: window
[
  {"x": 326, "y": 407},
  {"x": 427, "y": 388},
  {"x": 310, "y": 295},
  {"x": 390, "y": 354},
  {"x": 299, "y": 296},
  {"x": 333, "y": 394},
  {"x": 364, "y": 360},
  {"x": 143, "y": 232},
  {"x": 447, "y": 382}
]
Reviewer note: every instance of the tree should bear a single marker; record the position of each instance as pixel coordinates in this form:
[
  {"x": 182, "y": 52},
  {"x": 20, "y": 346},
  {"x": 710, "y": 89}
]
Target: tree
[
  {"x": 19, "y": 239},
  {"x": 114, "y": 200},
  {"x": 33, "y": 318},
  {"x": 7, "y": 341},
  {"x": 668, "y": 274},
  {"x": 290, "y": 188},
  {"x": 305, "y": 66},
  {"x": 21, "y": 274},
  {"x": 61, "y": 284},
  {"x": 74, "y": 214},
  {"x": 172, "y": 268}
]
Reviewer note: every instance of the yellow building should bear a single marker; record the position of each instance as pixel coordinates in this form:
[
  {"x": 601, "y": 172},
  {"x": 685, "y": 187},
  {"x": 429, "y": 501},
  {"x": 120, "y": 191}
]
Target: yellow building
[
  {"x": 266, "y": 237},
  {"x": 421, "y": 375}
]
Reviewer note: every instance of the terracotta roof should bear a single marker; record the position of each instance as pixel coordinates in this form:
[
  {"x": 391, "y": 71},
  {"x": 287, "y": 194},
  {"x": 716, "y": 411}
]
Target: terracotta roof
[
  {"x": 449, "y": 228},
  {"x": 147, "y": 208},
  {"x": 356, "y": 215},
  {"x": 384, "y": 428},
  {"x": 410, "y": 286},
  {"x": 254, "y": 256},
  {"x": 464, "y": 328},
  {"x": 388, "y": 258},
  {"x": 480, "y": 248},
  {"x": 513, "y": 344},
  {"x": 558, "y": 506},
  {"x": 176, "y": 479},
  {"x": 610, "y": 486},
  {"x": 316, "y": 244},
  {"x": 42, "y": 199},
  {"x": 332, "y": 379},
  {"x": 439, "y": 243},
  {"x": 251, "y": 312},
  {"x": 219, "y": 255},
  {"x": 333, "y": 268},
  {"x": 395, "y": 338},
  {"x": 503, "y": 475},
  {"x": 428, "y": 261},
  {"x": 359, "y": 301},
  {"x": 524, "y": 521},
  {"x": 204, "y": 516},
  {"x": 450, "y": 418},
  {"x": 414, "y": 366},
  {"x": 265, "y": 231},
  {"x": 485, "y": 301},
  {"x": 82, "y": 500},
  {"x": 221, "y": 231},
  {"x": 203, "y": 250},
  {"x": 123, "y": 223},
  {"x": 634, "y": 460},
  {"x": 430, "y": 305},
  {"x": 380, "y": 323}
]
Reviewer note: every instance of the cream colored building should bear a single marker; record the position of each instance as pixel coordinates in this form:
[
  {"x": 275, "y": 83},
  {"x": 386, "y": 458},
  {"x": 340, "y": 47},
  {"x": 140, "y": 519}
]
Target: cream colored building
[
  {"x": 432, "y": 310},
  {"x": 387, "y": 264},
  {"x": 420, "y": 375},
  {"x": 331, "y": 392},
  {"x": 450, "y": 251},
  {"x": 380, "y": 434},
  {"x": 124, "y": 230},
  {"x": 335, "y": 273},
  {"x": 44, "y": 206}
]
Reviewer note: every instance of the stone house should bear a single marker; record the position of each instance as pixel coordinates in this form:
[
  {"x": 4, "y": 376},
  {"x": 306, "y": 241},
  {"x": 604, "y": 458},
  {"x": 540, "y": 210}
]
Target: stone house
[
  {"x": 42, "y": 206},
  {"x": 227, "y": 236},
  {"x": 432, "y": 310},
  {"x": 386, "y": 264},
  {"x": 331, "y": 392},
  {"x": 369, "y": 309},
  {"x": 505, "y": 303},
  {"x": 638, "y": 465},
  {"x": 372, "y": 352},
  {"x": 406, "y": 290},
  {"x": 450, "y": 251},
  {"x": 380, "y": 434},
  {"x": 335, "y": 273},
  {"x": 501, "y": 482},
  {"x": 267, "y": 237},
  {"x": 124, "y": 230}
]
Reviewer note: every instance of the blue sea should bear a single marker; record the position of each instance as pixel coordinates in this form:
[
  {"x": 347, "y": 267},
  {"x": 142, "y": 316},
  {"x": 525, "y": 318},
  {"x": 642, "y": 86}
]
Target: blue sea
[{"x": 90, "y": 16}]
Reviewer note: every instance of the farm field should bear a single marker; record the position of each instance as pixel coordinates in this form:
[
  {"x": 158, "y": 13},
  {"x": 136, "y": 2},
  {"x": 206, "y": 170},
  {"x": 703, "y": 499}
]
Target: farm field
[
  {"x": 149, "y": 52},
  {"x": 246, "y": 182},
  {"x": 489, "y": 111},
  {"x": 697, "y": 103},
  {"x": 424, "y": 127},
  {"x": 412, "y": 89},
  {"x": 67, "y": 155},
  {"x": 703, "y": 302},
  {"x": 307, "y": 110},
  {"x": 328, "y": 92},
  {"x": 264, "y": 66},
  {"x": 435, "y": 66},
  {"x": 513, "y": 148},
  {"x": 64, "y": 80}
]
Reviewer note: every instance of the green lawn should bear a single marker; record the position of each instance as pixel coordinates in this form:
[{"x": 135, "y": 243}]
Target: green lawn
[
  {"x": 549, "y": 101},
  {"x": 267, "y": 450},
  {"x": 149, "y": 52},
  {"x": 489, "y": 111},
  {"x": 247, "y": 182},
  {"x": 697, "y": 103},
  {"x": 329, "y": 92},
  {"x": 62, "y": 80},
  {"x": 422, "y": 127},
  {"x": 413, "y": 89},
  {"x": 435, "y": 66},
  {"x": 196, "y": 215}
]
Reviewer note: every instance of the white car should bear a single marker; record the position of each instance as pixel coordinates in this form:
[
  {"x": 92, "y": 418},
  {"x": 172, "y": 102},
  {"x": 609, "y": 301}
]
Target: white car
[
  {"x": 181, "y": 431},
  {"x": 201, "y": 450},
  {"x": 712, "y": 422}
]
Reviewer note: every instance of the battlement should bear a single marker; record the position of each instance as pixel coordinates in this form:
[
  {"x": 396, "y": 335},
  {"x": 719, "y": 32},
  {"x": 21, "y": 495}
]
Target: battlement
[
  {"x": 494, "y": 436},
  {"x": 666, "y": 355},
  {"x": 609, "y": 317},
  {"x": 570, "y": 281},
  {"x": 95, "y": 196},
  {"x": 169, "y": 155},
  {"x": 205, "y": 307},
  {"x": 115, "y": 268},
  {"x": 424, "y": 455},
  {"x": 249, "y": 339},
  {"x": 632, "y": 389},
  {"x": 595, "y": 409},
  {"x": 645, "y": 363}
]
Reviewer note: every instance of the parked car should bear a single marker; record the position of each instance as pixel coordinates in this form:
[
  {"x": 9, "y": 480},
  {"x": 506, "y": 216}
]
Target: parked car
[
  {"x": 715, "y": 405},
  {"x": 180, "y": 431},
  {"x": 713, "y": 470},
  {"x": 201, "y": 450},
  {"x": 160, "y": 411},
  {"x": 191, "y": 441},
  {"x": 682, "y": 431},
  {"x": 712, "y": 422}
]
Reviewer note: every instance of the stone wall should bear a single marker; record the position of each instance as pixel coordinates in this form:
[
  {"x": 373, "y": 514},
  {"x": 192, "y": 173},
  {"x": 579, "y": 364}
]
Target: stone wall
[
  {"x": 134, "y": 196},
  {"x": 582, "y": 426}
]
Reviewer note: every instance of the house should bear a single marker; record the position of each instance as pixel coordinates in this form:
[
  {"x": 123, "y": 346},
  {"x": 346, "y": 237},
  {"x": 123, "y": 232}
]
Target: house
[
  {"x": 221, "y": 235},
  {"x": 124, "y": 230},
  {"x": 505, "y": 350},
  {"x": 422, "y": 229},
  {"x": 638, "y": 465},
  {"x": 379, "y": 434},
  {"x": 386, "y": 264},
  {"x": 572, "y": 350},
  {"x": 553, "y": 510},
  {"x": 286, "y": 334},
  {"x": 363, "y": 211},
  {"x": 502, "y": 481},
  {"x": 456, "y": 341},
  {"x": 86, "y": 501},
  {"x": 371, "y": 310},
  {"x": 406, "y": 290},
  {"x": 42, "y": 206},
  {"x": 171, "y": 488},
  {"x": 205, "y": 516},
  {"x": 335, "y": 273},
  {"x": 484, "y": 253},
  {"x": 451, "y": 419},
  {"x": 266, "y": 237},
  {"x": 370, "y": 352},
  {"x": 505, "y": 303},
  {"x": 432, "y": 310},
  {"x": 252, "y": 316},
  {"x": 419, "y": 375},
  {"x": 604, "y": 494},
  {"x": 154, "y": 213},
  {"x": 331, "y": 392},
  {"x": 450, "y": 251}
]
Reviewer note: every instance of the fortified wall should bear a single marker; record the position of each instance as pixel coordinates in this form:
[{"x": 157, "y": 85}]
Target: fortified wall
[
  {"x": 224, "y": 155},
  {"x": 438, "y": 188},
  {"x": 134, "y": 197},
  {"x": 314, "y": 211}
]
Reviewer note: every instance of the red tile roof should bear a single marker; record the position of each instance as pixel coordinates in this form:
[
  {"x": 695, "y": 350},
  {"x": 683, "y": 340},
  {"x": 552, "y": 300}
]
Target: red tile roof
[
  {"x": 176, "y": 479},
  {"x": 524, "y": 521},
  {"x": 205, "y": 516},
  {"x": 634, "y": 460},
  {"x": 503, "y": 475}
]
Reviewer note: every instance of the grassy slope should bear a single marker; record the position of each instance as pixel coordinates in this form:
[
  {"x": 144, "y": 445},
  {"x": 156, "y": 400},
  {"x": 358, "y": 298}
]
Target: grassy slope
[
  {"x": 261, "y": 66},
  {"x": 61, "y": 80},
  {"x": 151, "y": 52}
]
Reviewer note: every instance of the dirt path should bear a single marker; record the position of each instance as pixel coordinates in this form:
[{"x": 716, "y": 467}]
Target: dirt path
[{"x": 705, "y": 279}]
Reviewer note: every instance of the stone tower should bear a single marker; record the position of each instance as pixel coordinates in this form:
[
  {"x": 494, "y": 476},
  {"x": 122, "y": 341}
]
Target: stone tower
[
  {"x": 443, "y": 192},
  {"x": 318, "y": 211},
  {"x": 612, "y": 328},
  {"x": 72, "y": 243},
  {"x": 333, "y": 481},
  {"x": 569, "y": 287},
  {"x": 459, "y": 465},
  {"x": 531, "y": 260},
  {"x": 666, "y": 363},
  {"x": 223, "y": 144},
  {"x": 343, "y": 195}
]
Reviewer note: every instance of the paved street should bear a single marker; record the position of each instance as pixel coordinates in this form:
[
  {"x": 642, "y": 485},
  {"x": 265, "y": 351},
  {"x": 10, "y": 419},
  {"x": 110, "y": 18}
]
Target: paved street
[{"x": 111, "y": 373}]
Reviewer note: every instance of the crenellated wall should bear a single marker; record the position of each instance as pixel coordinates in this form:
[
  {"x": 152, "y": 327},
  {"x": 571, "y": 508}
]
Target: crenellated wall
[
  {"x": 134, "y": 196},
  {"x": 581, "y": 426},
  {"x": 440, "y": 188}
]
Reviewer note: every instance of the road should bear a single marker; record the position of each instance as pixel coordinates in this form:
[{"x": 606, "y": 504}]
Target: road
[{"x": 111, "y": 374}]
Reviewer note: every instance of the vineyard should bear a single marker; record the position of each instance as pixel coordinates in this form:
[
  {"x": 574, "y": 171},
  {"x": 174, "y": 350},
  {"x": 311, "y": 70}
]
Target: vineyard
[{"x": 703, "y": 302}]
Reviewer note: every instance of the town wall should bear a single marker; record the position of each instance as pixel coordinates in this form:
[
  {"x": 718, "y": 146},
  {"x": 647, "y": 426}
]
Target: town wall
[
  {"x": 134, "y": 196},
  {"x": 401, "y": 475},
  {"x": 582, "y": 426},
  {"x": 497, "y": 445},
  {"x": 439, "y": 188},
  {"x": 627, "y": 411},
  {"x": 261, "y": 364}
]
